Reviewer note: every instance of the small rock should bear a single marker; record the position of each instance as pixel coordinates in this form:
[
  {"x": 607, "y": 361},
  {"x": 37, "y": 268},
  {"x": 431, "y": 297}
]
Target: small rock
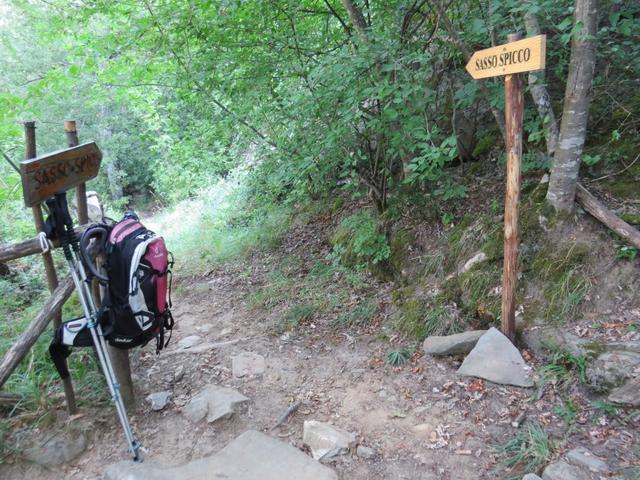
[
  {"x": 247, "y": 364},
  {"x": 159, "y": 400},
  {"x": 214, "y": 403},
  {"x": 457, "y": 344},
  {"x": 477, "y": 258},
  {"x": 494, "y": 358},
  {"x": 178, "y": 374},
  {"x": 544, "y": 179},
  {"x": 326, "y": 441},
  {"x": 190, "y": 341},
  {"x": 531, "y": 476},
  {"x": 423, "y": 430},
  {"x": 205, "y": 328},
  {"x": 626, "y": 395},
  {"x": 563, "y": 471},
  {"x": 57, "y": 450},
  {"x": 365, "y": 452},
  {"x": 584, "y": 458}
]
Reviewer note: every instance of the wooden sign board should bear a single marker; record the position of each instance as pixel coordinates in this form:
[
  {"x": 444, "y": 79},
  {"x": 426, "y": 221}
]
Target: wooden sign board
[
  {"x": 59, "y": 171},
  {"x": 515, "y": 57}
]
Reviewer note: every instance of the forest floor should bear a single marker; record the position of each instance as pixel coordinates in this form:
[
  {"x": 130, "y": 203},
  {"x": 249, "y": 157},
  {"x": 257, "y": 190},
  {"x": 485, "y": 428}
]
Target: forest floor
[{"x": 422, "y": 419}]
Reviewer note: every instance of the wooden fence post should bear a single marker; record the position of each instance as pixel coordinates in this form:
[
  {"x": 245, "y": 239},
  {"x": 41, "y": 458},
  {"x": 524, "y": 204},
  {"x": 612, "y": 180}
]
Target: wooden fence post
[
  {"x": 514, "y": 110},
  {"x": 50, "y": 270},
  {"x": 119, "y": 357},
  {"x": 81, "y": 190}
]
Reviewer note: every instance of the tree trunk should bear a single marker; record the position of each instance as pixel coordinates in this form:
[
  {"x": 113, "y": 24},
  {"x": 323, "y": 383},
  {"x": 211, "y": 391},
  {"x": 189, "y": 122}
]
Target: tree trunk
[
  {"x": 573, "y": 130},
  {"x": 540, "y": 94},
  {"x": 357, "y": 18}
]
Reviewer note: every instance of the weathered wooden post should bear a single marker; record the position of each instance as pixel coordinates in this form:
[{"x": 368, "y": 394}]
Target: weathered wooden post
[
  {"x": 509, "y": 59},
  {"x": 81, "y": 189},
  {"x": 514, "y": 111},
  {"x": 50, "y": 270},
  {"x": 119, "y": 357}
]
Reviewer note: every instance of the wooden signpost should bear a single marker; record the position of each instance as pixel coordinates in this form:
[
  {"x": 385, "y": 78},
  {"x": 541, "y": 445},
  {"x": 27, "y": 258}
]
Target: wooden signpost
[
  {"x": 44, "y": 176},
  {"x": 513, "y": 57},
  {"x": 510, "y": 59}
]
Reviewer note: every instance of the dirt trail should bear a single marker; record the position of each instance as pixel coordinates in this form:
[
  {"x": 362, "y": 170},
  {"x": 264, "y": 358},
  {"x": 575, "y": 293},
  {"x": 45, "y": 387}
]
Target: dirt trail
[{"x": 423, "y": 421}]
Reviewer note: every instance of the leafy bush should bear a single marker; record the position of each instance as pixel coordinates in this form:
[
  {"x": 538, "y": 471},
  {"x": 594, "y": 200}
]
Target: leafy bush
[{"x": 358, "y": 241}]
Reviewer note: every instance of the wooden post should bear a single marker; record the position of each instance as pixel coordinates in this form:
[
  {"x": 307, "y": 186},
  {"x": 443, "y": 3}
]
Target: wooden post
[
  {"x": 50, "y": 269},
  {"x": 119, "y": 357},
  {"x": 514, "y": 110},
  {"x": 81, "y": 190}
]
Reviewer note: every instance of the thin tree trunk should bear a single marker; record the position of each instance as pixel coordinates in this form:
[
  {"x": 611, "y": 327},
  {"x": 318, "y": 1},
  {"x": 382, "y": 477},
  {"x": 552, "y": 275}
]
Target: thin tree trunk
[
  {"x": 357, "y": 18},
  {"x": 573, "y": 129},
  {"x": 539, "y": 92}
]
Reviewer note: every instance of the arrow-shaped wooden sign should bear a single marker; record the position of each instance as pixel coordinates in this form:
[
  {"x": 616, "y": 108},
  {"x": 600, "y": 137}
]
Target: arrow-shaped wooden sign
[{"x": 522, "y": 56}]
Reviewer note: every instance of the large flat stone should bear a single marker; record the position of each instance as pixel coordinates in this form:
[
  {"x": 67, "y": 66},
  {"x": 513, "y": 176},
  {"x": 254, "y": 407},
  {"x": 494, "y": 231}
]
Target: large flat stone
[
  {"x": 251, "y": 456},
  {"x": 612, "y": 369},
  {"x": 457, "y": 344},
  {"x": 627, "y": 395},
  {"x": 494, "y": 358},
  {"x": 62, "y": 448},
  {"x": 564, "y": 471},
  {"x": 582, "y": 457},
  {"x": 214, "y": 403}
]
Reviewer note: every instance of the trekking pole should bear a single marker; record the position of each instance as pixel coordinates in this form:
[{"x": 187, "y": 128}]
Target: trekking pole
[{"x": 69, "y": 242}]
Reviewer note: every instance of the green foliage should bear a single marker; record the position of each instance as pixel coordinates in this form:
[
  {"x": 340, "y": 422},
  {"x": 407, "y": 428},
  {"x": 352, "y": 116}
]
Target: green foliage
[
  {"x": 400, "y": 357},
  {"x": 561, "y": 367},
  {"x": 358, "y": 241},
  {"x": 296, "y": 316},
  {"x": 568, "y": 411},
  {"x": 418, "y": 317},
  {"x": 563, "y": 271},
  {"x": 626, "y": 252},
  {"x": 604, "y": 407},
  {"x": 529, "y": 450},
  {"x": 360, "y": 316}
]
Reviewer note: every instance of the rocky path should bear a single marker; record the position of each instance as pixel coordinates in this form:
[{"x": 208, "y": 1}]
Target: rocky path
[{"x": 225, "y": 374}]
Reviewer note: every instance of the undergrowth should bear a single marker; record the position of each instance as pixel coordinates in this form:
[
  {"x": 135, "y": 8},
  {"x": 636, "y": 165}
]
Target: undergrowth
[
  {"x": 528, "y": 451},
  {"x": 323, "y": 293}
]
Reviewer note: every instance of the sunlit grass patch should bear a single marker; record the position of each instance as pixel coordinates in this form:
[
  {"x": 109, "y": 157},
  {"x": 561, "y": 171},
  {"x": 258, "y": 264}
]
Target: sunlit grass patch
[{"x": 219, "y": 225}]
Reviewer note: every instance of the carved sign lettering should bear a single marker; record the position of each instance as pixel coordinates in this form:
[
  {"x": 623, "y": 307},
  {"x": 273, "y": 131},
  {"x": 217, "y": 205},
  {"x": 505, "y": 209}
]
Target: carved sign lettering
[
  {"x": 59, "y": 171},
  {"x": 514, "y": 57}
]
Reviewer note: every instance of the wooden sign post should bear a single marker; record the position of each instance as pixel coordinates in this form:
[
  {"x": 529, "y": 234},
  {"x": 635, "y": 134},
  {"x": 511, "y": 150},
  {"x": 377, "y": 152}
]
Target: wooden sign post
[
  {"x": 49, "y": 267},
  {"x": 55, "y": 172},
  {"x": 510, "y": 59}
]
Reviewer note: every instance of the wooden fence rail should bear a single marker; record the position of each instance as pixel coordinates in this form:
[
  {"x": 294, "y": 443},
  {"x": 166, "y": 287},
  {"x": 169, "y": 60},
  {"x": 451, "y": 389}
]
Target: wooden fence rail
[
  {"x": 25, "y": 248},
  {"x": 25, "y": 341}
]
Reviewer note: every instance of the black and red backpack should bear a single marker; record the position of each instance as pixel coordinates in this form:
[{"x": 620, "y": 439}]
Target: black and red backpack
[
  {"x": 137, "y": 303},
  {"x": 137, "y": 289}
]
